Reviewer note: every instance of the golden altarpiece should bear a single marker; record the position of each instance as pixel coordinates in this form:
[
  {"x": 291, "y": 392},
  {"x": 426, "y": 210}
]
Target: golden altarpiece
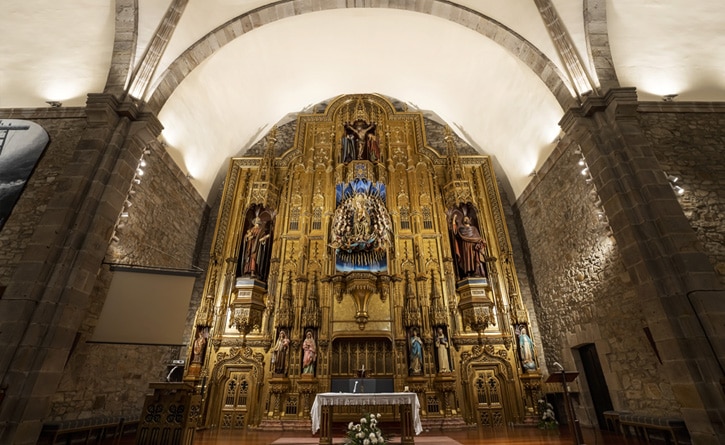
[{"x": 355, "y": 253}]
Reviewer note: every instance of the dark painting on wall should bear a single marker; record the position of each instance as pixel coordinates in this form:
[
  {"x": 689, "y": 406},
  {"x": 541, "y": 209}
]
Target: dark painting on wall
[{"x": 21, "y": 144}]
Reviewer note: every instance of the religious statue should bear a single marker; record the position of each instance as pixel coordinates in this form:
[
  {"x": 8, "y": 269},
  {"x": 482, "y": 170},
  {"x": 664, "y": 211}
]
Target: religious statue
[
  {"x": 197, "y": 349},
  {"x": 526, "y": 351},
  {"x": 416, "y": 353},
  {"x": 361, "y": 221},
  {"x": 361, "y": 230},
  {"x": 279, "y": 353},
  {"x": 360, "y": 129},
  {"x": 255, "y": 248},
  {"x": 441, "y": 343},
  {"x": 373, "y": 147},
  {"x": 470, "y": 248},
  {"x": 309, "y": 356},
  {"x": 348, "y": 148}
]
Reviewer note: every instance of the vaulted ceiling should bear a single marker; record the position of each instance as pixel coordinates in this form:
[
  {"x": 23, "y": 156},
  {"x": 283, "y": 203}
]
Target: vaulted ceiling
[{"x": 489, "y": 69}]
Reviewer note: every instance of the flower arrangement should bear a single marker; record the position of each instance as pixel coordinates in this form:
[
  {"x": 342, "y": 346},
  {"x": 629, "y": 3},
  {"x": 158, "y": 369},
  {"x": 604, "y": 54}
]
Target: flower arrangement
[
  {"x": 547, "y": 419},
  {"x": 366, "y": 432}
]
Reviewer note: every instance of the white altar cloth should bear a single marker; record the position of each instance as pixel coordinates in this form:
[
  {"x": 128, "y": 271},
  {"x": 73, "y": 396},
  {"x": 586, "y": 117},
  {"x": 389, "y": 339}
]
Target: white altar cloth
[{"x": 381, "y": 398}]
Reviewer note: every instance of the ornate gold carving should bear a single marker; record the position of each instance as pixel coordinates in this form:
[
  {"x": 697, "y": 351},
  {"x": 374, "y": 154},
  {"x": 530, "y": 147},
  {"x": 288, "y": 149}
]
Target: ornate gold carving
[
  {"x": 311, "y": 314},
  {"x": 299, "y": 183},
  {"x": 438, "y": 314},
  {"x": 285, "y": 316},
  {"x": 411, "y": 311},
  {"x": 248, "y": 306},
  {"x": 475, "y": 304}
]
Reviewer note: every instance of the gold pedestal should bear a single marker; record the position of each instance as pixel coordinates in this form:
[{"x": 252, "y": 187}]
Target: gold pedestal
[
  {"x": 278, "y": 386},
  {"x": 445, "y": 384},
  {"x": 476, "y": 303}
]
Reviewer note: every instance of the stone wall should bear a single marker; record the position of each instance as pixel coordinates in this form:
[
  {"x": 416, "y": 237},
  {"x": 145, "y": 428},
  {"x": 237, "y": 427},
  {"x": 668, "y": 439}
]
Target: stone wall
[
  {"x": 162, "y": 231},
  {"x": 689, "y": 142},
  {"x": 581, "y": 291},
  {"x": 64, "y": 127}
]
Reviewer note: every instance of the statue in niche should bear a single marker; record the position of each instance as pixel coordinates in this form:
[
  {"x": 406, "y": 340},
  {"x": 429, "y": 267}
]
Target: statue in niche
[
  {"x": 348, "y": 148},
  {"x": 416, "y": 353},
  {"x": 361, "y": 220},
  {"x": 527, "y": 352},
  {"x": 441, "y": 342},
  {"x": 361, "y": 229},
  {"x": 309, "y": 353},
  {"x": 199, "y": 346},
  {"x": 256, "y": 247},
  {"x": 469, "y": 247},
  {"x": 360, "y": 130},
  {"x": 373, "y": 147},
  {"x": 279, "y": 353}
]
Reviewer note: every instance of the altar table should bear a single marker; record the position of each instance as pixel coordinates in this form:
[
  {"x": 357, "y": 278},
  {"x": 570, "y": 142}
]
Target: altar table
[{"x": 321, "y": 411}]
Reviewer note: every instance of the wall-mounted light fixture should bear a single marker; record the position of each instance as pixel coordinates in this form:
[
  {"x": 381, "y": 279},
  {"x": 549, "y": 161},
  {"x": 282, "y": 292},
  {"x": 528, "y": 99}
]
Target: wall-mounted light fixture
[
  {"x": 54, "y": 103},
  {"x": 672, "y": 179},
  {"x": 669, "y": 97}
]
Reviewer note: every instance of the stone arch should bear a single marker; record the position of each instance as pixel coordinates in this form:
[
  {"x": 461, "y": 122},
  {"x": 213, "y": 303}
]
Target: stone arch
[
  {"x": 554, "y": 79},
  {"x": 597, "y": 36},
  {"x": 123, "y": 46}
]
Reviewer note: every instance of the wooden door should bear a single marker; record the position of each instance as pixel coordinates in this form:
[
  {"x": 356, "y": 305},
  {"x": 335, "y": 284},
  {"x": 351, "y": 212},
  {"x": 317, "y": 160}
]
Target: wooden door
[
  {"x": 489, "y": 397},
  {"x": 235, "y": 399}
]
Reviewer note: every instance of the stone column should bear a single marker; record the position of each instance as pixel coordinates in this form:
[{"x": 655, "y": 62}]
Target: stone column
[
  {"x": 44, "y": 305},
  {"x": 679, "y": 290}
]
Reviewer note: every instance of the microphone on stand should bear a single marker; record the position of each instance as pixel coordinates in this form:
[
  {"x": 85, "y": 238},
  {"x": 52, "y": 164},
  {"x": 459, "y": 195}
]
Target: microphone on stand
[{"x": 558, "y": 365}]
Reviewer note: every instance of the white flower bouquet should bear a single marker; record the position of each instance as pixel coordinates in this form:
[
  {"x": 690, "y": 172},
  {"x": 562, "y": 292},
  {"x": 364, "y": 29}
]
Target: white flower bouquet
[
  {"x": 366, "y": 432},
  {"x": 547, "y": 419}
]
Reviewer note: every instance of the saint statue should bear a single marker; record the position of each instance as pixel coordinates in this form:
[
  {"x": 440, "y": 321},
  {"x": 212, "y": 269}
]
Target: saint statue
[
  {"x": 470, "y": 248},
  {"x": 441, "y": 343},
  {"x": 254, "y": 249},
  {"x": 416, "y": 353},
  {"x": 279, "y": 353},
  {"x": 197, "y": 349},
  {"x": 348, "y": 148},
  {"x": 373, "y": 147},
  {"x": 309, "y": 356},
  {"x": 526, "y": 351}
]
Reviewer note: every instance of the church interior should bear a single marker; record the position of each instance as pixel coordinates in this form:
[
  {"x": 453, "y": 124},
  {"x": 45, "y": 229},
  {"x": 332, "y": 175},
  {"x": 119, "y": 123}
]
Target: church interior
[{"x": 244, "y": 218}]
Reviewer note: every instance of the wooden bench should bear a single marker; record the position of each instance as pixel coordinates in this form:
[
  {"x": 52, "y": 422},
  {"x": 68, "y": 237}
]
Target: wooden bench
[
  {"x": 612, "y": 420},
  {"x": 670, "y": 428},
  {"x": 86, "y": 431}
]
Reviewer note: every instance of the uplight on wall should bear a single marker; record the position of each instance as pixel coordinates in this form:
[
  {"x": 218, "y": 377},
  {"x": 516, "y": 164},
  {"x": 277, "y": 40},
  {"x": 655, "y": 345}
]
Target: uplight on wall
[
  {"x": 124, "y": 215},
  {"x": 594, "y": 195},
  {"x": 672, "y": 179}
]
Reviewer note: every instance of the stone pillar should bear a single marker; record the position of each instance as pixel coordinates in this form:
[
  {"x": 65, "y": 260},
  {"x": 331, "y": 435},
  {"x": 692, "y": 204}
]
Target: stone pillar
[
  {"x": 44, "y": 305},
  {"x": 678, "y": 287}
]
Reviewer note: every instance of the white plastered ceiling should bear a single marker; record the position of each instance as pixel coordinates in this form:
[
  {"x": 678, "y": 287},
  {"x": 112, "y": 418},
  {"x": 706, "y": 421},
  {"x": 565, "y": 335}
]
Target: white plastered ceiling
[{"x": 61, "y": 51}]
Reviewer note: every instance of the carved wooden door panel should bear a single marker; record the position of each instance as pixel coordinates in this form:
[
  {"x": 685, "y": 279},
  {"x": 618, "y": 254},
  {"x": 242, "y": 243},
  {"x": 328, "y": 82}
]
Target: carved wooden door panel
[
  {"x": 488, "y": 394},
  {"x": 235, "y": 410}
]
